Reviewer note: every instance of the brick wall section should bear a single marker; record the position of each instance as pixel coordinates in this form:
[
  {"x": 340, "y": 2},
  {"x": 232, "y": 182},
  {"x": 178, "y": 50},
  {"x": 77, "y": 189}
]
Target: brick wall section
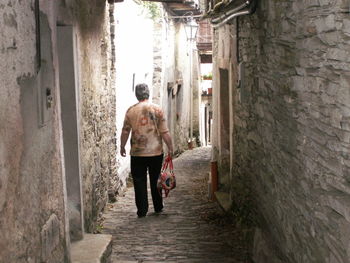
[{"x": 292, "y": 129}]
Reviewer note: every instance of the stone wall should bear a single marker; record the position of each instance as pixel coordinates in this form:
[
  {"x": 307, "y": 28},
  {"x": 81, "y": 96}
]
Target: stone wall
[
  {"x": 292, "y": 129},
  {"x": 115, "y": 179},
  {"x": 97, "y": 107},
  {"x": 33, "y": 194},
  {"x": 33, "y": 222},
  {"x": 157, "y": 80}
]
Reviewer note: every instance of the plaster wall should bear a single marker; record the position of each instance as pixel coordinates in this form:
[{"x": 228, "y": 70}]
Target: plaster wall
[
  {"x": 68, "y": 95},
  {"x": 224, "y": 84},
  {"x": 177, "y": 85},
  {"x": 291, "y": 128},
  {"x": 159, "y": 40},
  {"x": 32, "y": 188},
  {"x": 169, "y": 74},
  {"x": 33, "y": 199},
  {"x": 196, "y": 94}
]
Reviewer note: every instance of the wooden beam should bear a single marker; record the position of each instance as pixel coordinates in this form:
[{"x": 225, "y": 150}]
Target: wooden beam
[{"x": 177, "y": 5}]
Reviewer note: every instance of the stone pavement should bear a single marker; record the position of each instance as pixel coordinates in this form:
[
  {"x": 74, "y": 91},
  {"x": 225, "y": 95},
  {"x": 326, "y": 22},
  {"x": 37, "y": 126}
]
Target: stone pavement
[{"x": 184, "y": 231}]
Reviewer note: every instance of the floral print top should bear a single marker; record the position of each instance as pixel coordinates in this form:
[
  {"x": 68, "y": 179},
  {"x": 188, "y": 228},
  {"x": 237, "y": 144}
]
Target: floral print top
[{"x": 146, "y": 122}]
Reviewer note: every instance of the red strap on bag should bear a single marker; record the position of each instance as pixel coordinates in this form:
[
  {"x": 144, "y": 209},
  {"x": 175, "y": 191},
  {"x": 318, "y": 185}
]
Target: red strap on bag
[
  {"x": 166, "y": 180},
  {"x": 168, "y": 162}
]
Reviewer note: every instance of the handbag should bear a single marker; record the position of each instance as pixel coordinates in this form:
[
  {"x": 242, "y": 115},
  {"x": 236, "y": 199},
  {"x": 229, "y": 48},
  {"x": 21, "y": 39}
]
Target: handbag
[{"x": 166, "y": 179}]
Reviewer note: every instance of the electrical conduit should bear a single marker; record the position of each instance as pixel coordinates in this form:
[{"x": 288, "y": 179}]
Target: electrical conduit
[{"x": 223, "y": 19}]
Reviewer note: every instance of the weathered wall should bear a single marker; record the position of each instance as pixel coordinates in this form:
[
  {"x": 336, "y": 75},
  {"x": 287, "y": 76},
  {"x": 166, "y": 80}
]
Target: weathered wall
[
  {"x": 224, "y": 81},
  {"x": 96, "y": 106},
  {"x": 115, "y": 179},
  {"x": 158, "y": 60},
  {"x": 169, "y": 76},
  {"x": 292, "y": 127},
  {"x": 33, "y": 198},
  {"x": 196, "y": 93},
  {"x": 32, "y": 210},
  {"x": 177, "y": 85}
]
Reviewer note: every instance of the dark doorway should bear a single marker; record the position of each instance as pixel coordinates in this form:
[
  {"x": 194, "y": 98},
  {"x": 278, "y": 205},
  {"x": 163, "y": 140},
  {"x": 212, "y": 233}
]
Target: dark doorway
[{"x": 69, "y": 113}]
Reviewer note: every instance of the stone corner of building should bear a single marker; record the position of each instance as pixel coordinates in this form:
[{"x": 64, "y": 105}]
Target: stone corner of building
[{"x": 263, "y": 250}]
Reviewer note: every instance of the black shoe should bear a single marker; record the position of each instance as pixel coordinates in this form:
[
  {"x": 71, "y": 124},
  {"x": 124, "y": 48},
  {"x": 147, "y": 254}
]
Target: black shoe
[
  {"x": 141, "y": 214},
  {"x": 159, "y": 211}
]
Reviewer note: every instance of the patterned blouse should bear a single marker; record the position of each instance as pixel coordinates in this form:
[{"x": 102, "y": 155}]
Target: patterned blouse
[{"x": 147, "y": 123}]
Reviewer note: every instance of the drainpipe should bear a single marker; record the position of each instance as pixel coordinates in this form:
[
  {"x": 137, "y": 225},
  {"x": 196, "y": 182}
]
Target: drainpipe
[{"x": 234, "y": 13}]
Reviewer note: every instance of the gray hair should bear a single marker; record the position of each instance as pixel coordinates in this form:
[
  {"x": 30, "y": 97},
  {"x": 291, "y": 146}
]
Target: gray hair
[{"x": 142, "y": 91}]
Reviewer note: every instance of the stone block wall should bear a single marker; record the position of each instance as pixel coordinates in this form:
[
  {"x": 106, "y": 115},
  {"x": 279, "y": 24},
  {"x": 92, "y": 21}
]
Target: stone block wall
[
  {"x": 291, "y": 127},
  {"x": 97, "y": 107},
  {"x": 33, "y": 195},
  {"x": 157, "y": 61},
  {"x": 115, "y": 179}
]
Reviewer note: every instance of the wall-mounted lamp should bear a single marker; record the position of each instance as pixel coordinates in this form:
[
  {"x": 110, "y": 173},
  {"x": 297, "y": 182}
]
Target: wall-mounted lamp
[{"x": 191, "y": 29}]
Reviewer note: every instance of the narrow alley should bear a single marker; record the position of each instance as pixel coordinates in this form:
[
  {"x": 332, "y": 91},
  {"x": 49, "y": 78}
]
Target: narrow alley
[
  {"x": 251, "y": 96},
  {"x": 187, "y": 231}
]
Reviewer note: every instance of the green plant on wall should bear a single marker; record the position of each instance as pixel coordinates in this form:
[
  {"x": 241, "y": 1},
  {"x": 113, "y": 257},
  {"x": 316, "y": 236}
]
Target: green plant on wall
[
  {"x": 207, "y": 76},
  {"x": 153, "y": 9}
]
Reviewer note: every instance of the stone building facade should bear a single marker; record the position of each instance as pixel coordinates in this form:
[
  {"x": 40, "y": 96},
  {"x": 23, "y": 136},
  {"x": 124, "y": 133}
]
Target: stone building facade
[
  {"x": 180, "y": 75},
  {"x": 96, "y": 108},
  {"x": 285, "y": 70},
  {"x": 57, "y": 132}
]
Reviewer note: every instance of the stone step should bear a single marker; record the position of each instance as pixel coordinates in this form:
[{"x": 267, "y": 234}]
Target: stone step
[
  {"x": 223, "y": 198},
  {"x": 93, "y": 248}
]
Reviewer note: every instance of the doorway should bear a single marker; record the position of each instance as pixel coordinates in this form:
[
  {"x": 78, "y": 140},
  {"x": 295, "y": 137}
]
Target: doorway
[
  {"x": 69, "y": 114},
  {"x": 224, "y": 126},
  {"x": 224, "y": 108}
]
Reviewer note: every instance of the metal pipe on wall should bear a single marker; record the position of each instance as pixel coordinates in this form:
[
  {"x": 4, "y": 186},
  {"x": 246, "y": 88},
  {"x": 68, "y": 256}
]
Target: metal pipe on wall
[
  {"x": 241, "y": 13},
  {"x": 217, "y": 19},
  {"x": 238, "y": 11}
]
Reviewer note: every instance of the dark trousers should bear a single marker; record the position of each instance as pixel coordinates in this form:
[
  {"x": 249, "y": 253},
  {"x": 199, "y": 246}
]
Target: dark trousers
[{"x": 139, "y": 167}]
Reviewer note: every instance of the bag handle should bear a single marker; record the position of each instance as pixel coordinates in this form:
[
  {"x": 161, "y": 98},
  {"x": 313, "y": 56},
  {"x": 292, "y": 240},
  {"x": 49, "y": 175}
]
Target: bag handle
[{"x": 168, "y": 162}]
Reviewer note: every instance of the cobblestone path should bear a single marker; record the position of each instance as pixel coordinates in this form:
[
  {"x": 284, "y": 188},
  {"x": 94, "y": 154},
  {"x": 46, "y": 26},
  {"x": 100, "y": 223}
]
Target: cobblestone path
[{"x": 182, "y": 233}]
